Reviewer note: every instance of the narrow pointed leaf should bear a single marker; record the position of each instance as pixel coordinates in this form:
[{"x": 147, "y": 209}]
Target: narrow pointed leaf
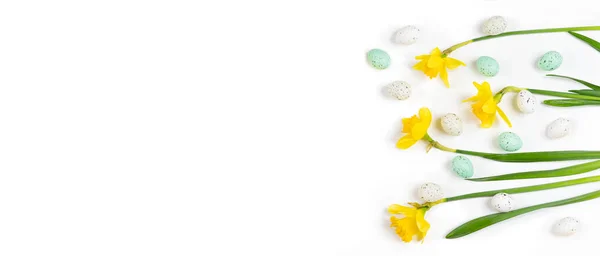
[
  {"x": 586, "y": 92},
  {"x": 588, "y": 84},
  {"x": 486, "y": 221},
  {"x": 570, "y": 102},
  {"x": 563, "y": 94},
  {"x": 593, "y": 43},
  {"x": 540, "y": 156},
  {"x": 526, "y": 189},
  {"x": 560, "y": 172}
]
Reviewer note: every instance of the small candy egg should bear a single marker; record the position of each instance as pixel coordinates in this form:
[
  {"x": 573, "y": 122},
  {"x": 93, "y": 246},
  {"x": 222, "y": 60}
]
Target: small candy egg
[
  {"x": 494, "y": 25},
  {"x": 399, "y": 89},
  {"x": 462, "y": 166},
  {"x": 451, "y": 124},
  {"x": 487, "y": 66},
  {"x": 526, "y": 102},
  {"x": 503, "y": 202},
  {"x": 558, "y": 128},
  {"x": 550, "y": 61},
  {"x": 566, "y": 226},
  {"x": 407, "y": 35},
  {"x": 378, "y": 59},
  {"x": 510, "y": 141},
  {"x": 430, "y": 192}
]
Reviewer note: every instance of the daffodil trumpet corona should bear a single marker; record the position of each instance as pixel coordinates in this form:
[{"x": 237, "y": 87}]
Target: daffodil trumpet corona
[
  {"x": 437, "y": 62},
  {"x": 413, "y": 221},
  {"x": 415, "y": 129}
]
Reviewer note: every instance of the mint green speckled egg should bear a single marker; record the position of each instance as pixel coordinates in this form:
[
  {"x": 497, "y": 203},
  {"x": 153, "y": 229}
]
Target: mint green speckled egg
[
  {"x": 510, "y": 141},
  {"x": 550, "y": 61},
  {"x": 487, "y": 66},
  {"x": 378, "y": 59},
  {"x": 462, "y": 166}
]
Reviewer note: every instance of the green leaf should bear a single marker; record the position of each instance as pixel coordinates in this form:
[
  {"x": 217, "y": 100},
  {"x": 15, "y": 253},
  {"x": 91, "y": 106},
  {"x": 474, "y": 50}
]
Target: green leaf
[
  {"x": 486, "y": 221},
  {"x": 588, "y": 84},
  {"x": 571, "y": 103},
  {"x": 527, "y": 189},
  {"x": 560, "y": 172},
  {"x": 540, "y": 156},
  {"x": 587, "y": 92},
  {"x": 563, "y": 94},
  {"x": 593, "y": 43}
]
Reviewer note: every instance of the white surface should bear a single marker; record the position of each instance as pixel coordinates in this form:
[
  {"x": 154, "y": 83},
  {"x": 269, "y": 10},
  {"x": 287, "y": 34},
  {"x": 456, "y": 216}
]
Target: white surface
[{"x": 257, "y": 127}]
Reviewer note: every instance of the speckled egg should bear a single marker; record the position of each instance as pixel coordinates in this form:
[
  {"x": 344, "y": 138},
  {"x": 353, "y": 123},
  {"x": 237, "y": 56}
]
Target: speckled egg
[
  {"x": 430, "y": 192},
  {"x": 510, "y": 141},
  {"x": 462, "y": 166},
  {"x": 407, "y": 35},
  {"x": 378, "y": 59},
  {"x": 451, "y": 124},
  {"x": 550, "y": 61},
  {"x": 558, "y": 128},
  {"x": 494, "y": 25},
  {"x": 526, "y": 102},
  {"x": 487, "y": 66},
  {"x": 503, "y": 202},
  {"x": 399, "y": 89},
  {"x": 566, "y": 226}
]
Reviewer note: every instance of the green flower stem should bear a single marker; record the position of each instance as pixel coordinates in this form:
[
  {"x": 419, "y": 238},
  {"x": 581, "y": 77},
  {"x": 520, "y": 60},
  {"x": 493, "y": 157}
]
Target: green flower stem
[
  {"x": 486, "y": 221},
  {"x": 520, "y": 32},
  {"x": 560, "y": 172},
  {"x": 498, "y": 96},
  {"x": 524, "y": 157},
  {"x": 570, "y": 102},
  {"x": 563, "y": 94},
  {"x": 526, "y": 189}
]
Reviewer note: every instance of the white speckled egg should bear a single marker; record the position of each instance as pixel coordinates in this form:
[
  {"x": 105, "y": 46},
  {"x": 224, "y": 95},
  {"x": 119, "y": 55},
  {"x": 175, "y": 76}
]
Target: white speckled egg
[
  {"x": 526, "y": 102},
  {"x": 451, "y": 124},
  {"x": 558, "y": 128},
  {"x": 566, "y": 226},
  {"x": 494, "y": 25},
  {"x": 503, "y": 202},
  {"x": 399, "y": 89},
  {"x": 430, "y": 192},
  {"x": 407, "y": 35}
]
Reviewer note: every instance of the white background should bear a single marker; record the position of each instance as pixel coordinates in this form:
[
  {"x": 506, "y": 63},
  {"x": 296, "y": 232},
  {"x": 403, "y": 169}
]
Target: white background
[{"x": 257, "y": 127}]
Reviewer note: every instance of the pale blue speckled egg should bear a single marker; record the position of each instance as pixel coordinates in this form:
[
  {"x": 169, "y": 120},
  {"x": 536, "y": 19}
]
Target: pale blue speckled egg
[
  {"x": 462, "y": 166},
  {"x": 487, "y": 66},
  {"x": 510, "y": 141},
  {"x": 378, "y": 59},
  {"x": 550, "y": 61}
]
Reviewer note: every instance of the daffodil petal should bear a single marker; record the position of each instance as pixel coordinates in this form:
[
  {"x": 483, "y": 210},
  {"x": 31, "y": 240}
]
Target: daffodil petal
[
  {"x": 422, "y": 65},
  {"x": 504, "y": 117},
  {"x": 422, "y": 224},
  {"x": 422, "y": 57},
  {"x": 444, "y": 77},
  {"x": 436, "y": 52},
  {"x": 425, "y": 116},
  {"x": 404, "y": 210},
  {"x": 406, "y": 142},
  {"x": 453, "y": 63},
  {"x": 474, "y": 98}
]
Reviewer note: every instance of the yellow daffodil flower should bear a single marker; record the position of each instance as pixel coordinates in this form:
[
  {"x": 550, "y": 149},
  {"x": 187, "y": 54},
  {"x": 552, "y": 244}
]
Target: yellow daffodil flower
[
  {"x": 436, "y": 64},
  {"x": 486, "y": 105},
  {"x": 412, "y": 224},
  {"x": 415, "y": 127}
]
